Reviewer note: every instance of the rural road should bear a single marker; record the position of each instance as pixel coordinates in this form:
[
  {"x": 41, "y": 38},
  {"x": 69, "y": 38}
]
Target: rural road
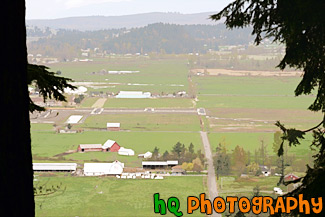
[
  {"x": 53, "y": 114},
  {"x": 212, "y": 184},
  {"x": 162, "y": 111}
]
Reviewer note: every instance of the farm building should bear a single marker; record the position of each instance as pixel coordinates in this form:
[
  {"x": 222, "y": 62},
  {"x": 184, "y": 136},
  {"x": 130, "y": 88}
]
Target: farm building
[
  {"x": 133, "y": 95},
  {"x": 159, "y": 164},
  {"x": 265, "y": 171},
  {"x": 74, "y": 119},
  {"x": 54, "y": 167},
  {"x": 113, "y": 126},
  {"x": 111, "y": 146},
  {"x": 125, "y": 151},
  {"x": 290, "y": 177},
  {"x": 89, "y": 147},
  {"x": 145, "y": 155},
  {"x": 103, "y": 169}
]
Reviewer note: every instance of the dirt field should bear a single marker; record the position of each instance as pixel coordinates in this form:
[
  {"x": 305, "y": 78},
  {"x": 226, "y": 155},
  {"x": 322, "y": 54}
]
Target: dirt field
[{"x": 215, "y": 72}]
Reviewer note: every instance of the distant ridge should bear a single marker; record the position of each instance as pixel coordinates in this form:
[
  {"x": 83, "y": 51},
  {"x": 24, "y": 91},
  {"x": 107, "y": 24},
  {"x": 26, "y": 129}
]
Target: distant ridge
[{"x": 125, "y": 21}]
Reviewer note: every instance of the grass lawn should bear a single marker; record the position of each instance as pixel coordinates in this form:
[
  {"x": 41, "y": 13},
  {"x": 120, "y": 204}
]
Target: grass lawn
[
  {"x": 49, "y": 144},
  {"x": 95, "y": 196},
  {"x": 41, "y": 127},
  {"x": 154, "y": 103},
  {"x": 146, "y": 122}
]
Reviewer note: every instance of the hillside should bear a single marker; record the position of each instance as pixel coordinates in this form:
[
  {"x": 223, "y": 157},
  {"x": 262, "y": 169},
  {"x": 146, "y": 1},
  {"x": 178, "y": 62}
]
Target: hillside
[
  {"x": 126, "y": 21},
  {"x": 159, "y": 37}
]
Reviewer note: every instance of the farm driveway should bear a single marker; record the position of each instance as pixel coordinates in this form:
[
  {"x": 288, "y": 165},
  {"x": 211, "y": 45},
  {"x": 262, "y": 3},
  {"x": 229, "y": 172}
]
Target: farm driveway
[{"x": 99, "y": 103}]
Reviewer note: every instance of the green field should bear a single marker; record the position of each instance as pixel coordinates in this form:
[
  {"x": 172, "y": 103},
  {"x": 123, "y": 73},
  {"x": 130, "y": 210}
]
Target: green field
[
  {"x": 153, "y": 103},
  {"x": 235, "y": 186},
  {"x": 145, "y": 122},
  {"x": 246, "y": 85},
  {"x": 252, "y": 141},
  {"x": 105, "y": 196},
  {"x": 155, "y": 76},
  {"x": 88, "y": 102},
  {"x": 258, "y": 102}
]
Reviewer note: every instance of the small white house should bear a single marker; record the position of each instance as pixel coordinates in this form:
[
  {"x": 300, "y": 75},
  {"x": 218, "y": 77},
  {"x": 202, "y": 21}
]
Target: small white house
[
  {"x": 101, "y": 169},
  {"x": 125, "y": 151},
  {"x": 113, "y": 126}
]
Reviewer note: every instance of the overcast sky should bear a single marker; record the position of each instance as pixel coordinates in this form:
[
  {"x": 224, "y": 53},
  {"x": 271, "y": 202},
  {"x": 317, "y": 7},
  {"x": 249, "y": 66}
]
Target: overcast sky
[{"x": 50, "y": 9}]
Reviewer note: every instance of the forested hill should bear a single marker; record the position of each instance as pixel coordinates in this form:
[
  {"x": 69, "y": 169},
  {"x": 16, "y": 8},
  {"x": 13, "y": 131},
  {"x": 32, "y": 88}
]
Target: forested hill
[
  {"x": 168, "y": 38},
  {"x": 126, "y": 21}
]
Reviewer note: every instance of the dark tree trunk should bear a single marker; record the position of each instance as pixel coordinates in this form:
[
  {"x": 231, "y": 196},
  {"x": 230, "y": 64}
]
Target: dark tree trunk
[{"x": 17, "y": 197}]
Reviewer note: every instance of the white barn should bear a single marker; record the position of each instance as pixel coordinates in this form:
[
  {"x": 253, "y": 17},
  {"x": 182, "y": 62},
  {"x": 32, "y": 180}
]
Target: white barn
[
  {"x": 102, "y": 169},
  {"x": 159, "y": 164},
  {"x": 126, "y": 152}
]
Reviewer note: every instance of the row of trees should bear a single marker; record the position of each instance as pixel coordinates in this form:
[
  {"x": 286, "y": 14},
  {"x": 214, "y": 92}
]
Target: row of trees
[
  {"x": 241, "y": 161},
  {"x": 179, "y": 152}
]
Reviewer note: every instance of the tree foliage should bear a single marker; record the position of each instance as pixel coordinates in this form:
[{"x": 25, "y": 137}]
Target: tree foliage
[
  {"x": 300, "y": 26},
  {"x": 222, "y": 160},
  {"x": 49, "y": 85}
]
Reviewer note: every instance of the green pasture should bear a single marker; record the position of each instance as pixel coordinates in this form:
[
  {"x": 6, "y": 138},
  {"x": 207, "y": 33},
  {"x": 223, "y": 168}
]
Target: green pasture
[
  {"x": 145, "y": 122},
  {"x": 252, "y": 141},
  {"x": 299, "y": 118},
  {"x": 108, "y": 196},
  {"x": 88, "y": 102},
  {"x": 145, "y": 103}
]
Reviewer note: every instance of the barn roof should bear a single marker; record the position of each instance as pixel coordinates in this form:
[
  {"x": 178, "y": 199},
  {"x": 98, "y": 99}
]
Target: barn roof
[
  {"x": 108, "y": 144},
  {"x": 159, "y": 163},
  {"x": 54, "y": 166},
  {"x": 154, "y": 163},
  {"x": 172, "y": 162},
  {"x": 85, "y": 146},
  {"x": 113, "y": 124}
]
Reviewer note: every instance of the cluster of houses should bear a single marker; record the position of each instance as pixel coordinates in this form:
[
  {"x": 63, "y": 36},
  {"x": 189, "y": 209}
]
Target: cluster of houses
[{"x": 108, "y": 146}]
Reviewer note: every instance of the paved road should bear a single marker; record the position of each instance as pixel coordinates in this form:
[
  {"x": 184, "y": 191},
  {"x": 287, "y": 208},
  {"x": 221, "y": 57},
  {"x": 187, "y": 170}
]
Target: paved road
[{"x": 212, "y": 184}]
